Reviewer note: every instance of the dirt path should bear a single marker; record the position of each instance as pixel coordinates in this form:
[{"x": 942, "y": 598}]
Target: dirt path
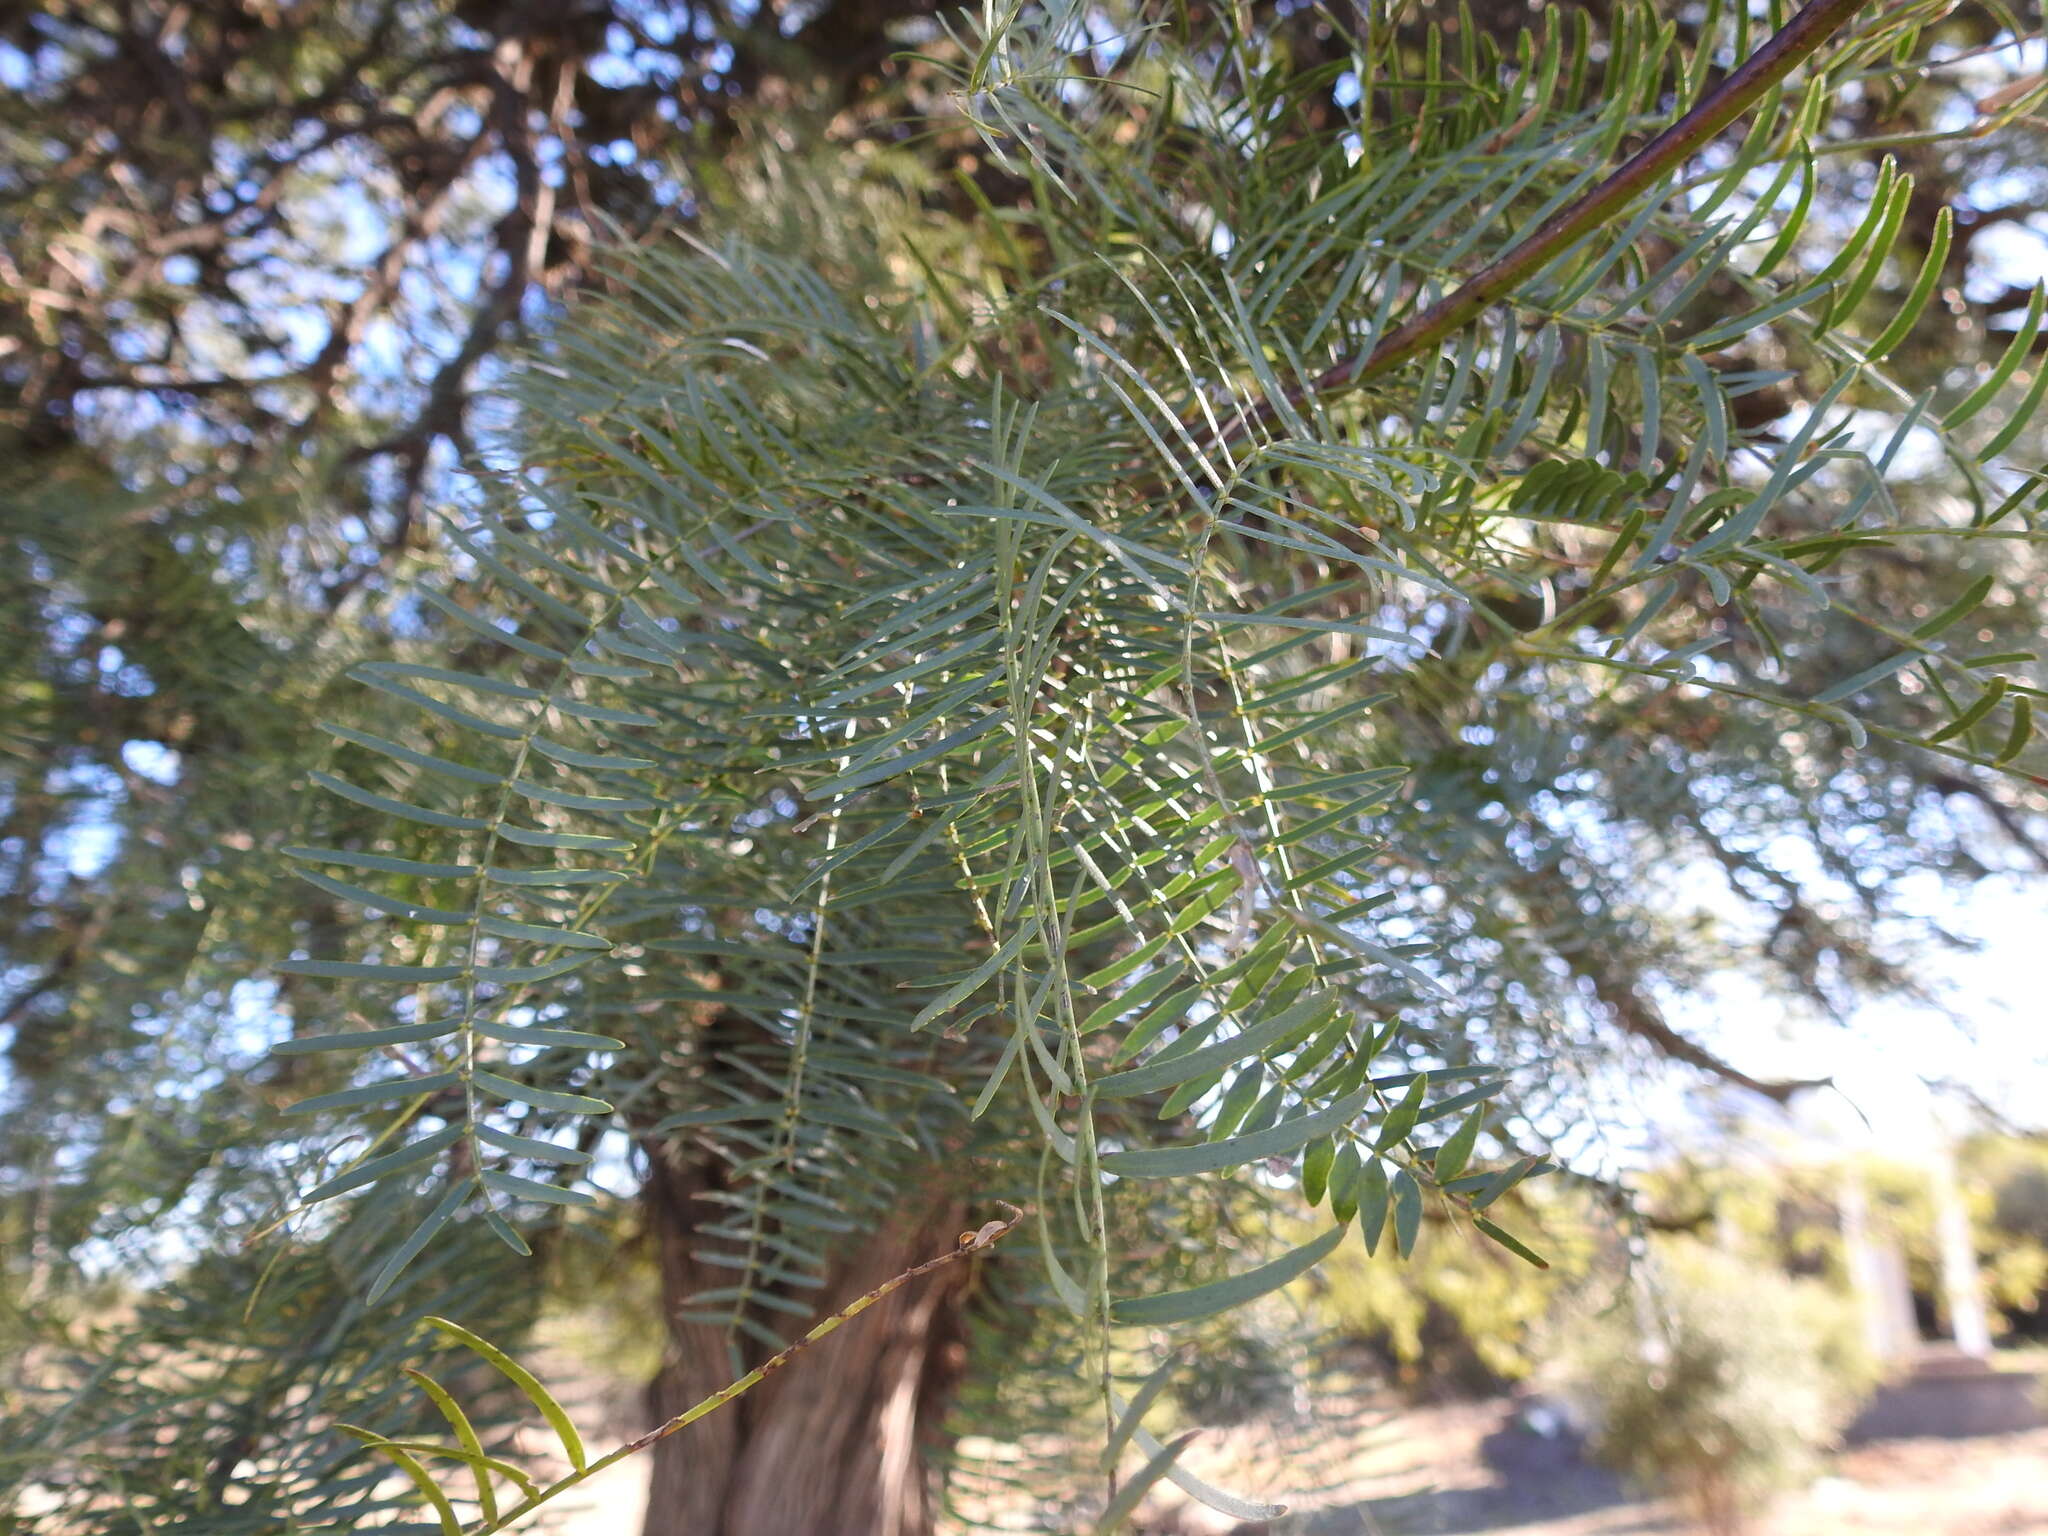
[
  {"x": 1473, "y": 1469},
  {"x": 1486, "y": 1474}
]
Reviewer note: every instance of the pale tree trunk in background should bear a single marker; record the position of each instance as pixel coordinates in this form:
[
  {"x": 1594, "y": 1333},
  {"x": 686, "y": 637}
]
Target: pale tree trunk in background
[
  {"x": 1878, "y": 1274},
  {"x": 837, "y": 1444},
  {"x": 1962, "y": 1285}
]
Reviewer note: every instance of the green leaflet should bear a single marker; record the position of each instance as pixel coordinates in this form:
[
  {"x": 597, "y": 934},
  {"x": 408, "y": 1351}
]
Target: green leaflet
[
  {"x": 376, "y": 901},
  {"x": 1878, "y": 231},
  {"x": 576, "y": 757},
  {"x": 1157, "y": 1074},
  {"x": 407, "y": 755},
  {"x": 472, "y": 1447},
  {"x": 1237, "y": 1101},
  {"x": 2017, "y": 351},
  {"x": 376, "y": 1093},
  {"x": 406, "y": 1462},
  {"x": 1132, "y": 1416},
  {"x": 1986, "y": 701},
  {"x": 604, "y": 714},
  {"x": 533, "y": 1189},
  {"x": 536, "y": 933},
  {"x": 889, "y": 768},
  {"x": 1456, "y": 1151},
  {"x": 1316, "y": 1163},
  {"x": 372, "y": 1169},
  {"x": 1407, "y": 1210},
  {"x": 1194, "y": 1088},
  {"x": 1135, "y": 998},
  {"x": 546, "y": 970},
  {"x": 365, "y": 1039},
  {"x": 1133, "y": 1491},
  {"x": 1237, "y": 1507},
  {"x": 502, "y": 1230},
  {"x": 402, "y": 809},
  {"x": 523, "y": 1379},
  {"x": 437, "y": 1218},
  {"x": 1011, "y": 1048},
  {"x": 363, "y": 970},
  {"x": 1510, "y": 1242},
  {"x": 478, "y": 625},
  {"x": 1223, "y": 1295},
  {"x": 1402, "y": 1117},
  {"x": 527, "y": 1146},
  {"x": 1718, "y": 336},
  {"x": 545, "y": 794},
  {"x": 721, "y": 1115},
  {"x": 1506, "y": 1179},
  {"x": 1922, "y": 290},
  {"x": 2022, "y": 415},
  {"x": 475, "y": 682},
  {"x": 454, "y": 714},
  {"x": 380, "y": 863},
  {"x": 540, "y": 1098},
  {"x": 960, "y": 991},
  {"x": 539, "y": 1034},
  {"x": 1064, "y": 1286},
  {"x": 1965, "y": 605},
  {"x": 1478, "y": 1094},
  {"x": 577, "y": 842},
  {"x": 1210, "y": 1156},
  {"x": 1862, "y": 680},
  {"x": 611, "y": 671},
  {"x": 2021, "y": 732},
  {"x": 561, "y": 877},
  {"x": 1789, "y": 227},
  {"x": 1117, "y": 970},
  {"x": 1374, "y": 1196},
  {"x": 1346, "y": 1169}
]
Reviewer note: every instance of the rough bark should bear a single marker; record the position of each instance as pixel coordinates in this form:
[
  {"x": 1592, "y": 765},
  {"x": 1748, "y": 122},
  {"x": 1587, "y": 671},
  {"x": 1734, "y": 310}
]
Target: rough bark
[{"x": 837, "y": 1445}]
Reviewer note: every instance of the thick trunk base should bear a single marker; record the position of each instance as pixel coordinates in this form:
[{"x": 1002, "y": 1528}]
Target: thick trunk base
[{"x": 837, "y": 1444}]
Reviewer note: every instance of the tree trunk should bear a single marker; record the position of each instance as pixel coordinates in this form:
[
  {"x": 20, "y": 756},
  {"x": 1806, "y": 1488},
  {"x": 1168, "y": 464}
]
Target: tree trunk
[{"x": 837, "y": 1444}]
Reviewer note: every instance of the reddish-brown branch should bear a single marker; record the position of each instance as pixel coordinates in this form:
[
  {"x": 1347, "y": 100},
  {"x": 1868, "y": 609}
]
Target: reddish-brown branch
[{"x": 1798, "y": 40}]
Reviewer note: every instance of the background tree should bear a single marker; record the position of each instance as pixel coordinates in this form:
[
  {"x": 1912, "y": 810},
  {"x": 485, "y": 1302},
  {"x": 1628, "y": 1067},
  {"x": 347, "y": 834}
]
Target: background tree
[{"x": 1206, "y": 551}]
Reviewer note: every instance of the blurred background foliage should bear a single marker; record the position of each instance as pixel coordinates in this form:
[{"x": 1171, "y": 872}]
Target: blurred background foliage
[
  {"x": 1463, "y": 1317},
  {"x": 1723, "y": 1386}
]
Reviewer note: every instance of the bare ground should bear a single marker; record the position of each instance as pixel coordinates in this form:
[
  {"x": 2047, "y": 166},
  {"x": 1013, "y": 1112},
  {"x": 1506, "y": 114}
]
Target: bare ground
[
  {"x": 1473, "y": 1469},
  {"x": 1482, "y": 1473}
]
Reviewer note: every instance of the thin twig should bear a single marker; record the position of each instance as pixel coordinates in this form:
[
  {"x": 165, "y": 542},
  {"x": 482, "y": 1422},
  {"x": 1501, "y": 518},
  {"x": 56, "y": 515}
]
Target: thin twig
[
  {"x": 1796, "y": 41},
  {"x": 978, "y": 1241}
]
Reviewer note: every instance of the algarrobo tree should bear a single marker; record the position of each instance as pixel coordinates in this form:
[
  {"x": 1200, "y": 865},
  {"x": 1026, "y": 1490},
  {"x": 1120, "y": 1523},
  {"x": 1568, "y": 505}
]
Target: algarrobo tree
[{"x": 974, "y": 729}]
